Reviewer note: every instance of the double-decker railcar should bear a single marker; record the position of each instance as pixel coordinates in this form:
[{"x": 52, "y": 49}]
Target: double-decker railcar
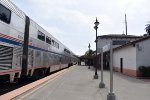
[{"x": 26, "y": 49}]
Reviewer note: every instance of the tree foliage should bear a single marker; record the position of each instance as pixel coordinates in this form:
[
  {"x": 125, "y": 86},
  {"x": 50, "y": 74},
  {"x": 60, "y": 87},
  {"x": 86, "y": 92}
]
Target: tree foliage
[
  {"x": 88, "y": 54},
  {"x": 148, "y": 28}
]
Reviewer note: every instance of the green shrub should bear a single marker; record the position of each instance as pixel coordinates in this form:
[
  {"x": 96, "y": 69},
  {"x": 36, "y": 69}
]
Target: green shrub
[{"x": 145, "y": 71}]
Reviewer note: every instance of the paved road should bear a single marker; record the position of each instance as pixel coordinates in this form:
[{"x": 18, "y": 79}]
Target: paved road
[{"x": 78, "y": 84}]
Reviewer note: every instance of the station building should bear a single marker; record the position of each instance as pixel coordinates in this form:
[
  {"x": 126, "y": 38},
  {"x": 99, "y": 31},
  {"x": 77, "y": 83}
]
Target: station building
[
  {"x": 129, "y": 57},
  {"x": 119, "y": 40},
  {"x": 129, "y": 52}
]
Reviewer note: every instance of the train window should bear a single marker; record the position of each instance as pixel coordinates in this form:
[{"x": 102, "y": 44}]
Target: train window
[
  {"x": 5, "y": 14},
  {"x": 67, "y": 51},
  {"x": 57, "y": 45},
  {"x": 48, "y": 40},
  {"x": 41, "y": 36},
  {"x": 53, "y": 42}
]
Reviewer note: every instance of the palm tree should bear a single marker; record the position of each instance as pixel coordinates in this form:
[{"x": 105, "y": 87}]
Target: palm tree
[{"x": 148, "y": 28}]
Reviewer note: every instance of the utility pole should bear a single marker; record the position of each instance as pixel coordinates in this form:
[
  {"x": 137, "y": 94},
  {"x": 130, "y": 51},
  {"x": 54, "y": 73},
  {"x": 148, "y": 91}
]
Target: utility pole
[{"x": 126, "y": 23}]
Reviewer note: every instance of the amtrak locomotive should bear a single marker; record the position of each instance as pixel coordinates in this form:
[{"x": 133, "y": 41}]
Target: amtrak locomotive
[{"x": 26, "y": 49}]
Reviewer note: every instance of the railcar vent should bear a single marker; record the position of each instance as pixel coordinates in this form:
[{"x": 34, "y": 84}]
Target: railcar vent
[{"x": 6, "y": 55}]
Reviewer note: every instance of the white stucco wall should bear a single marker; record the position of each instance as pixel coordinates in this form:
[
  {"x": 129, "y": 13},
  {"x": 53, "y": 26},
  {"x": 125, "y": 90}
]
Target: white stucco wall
[
  {"x": 143, "y": 53},
  {"x": 129, "y": 57}
]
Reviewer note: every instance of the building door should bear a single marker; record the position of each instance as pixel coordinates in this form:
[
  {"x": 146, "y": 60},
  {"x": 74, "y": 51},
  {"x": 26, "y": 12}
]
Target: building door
[{"x": 121, "y": 65}]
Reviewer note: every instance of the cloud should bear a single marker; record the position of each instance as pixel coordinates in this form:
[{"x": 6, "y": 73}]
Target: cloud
[{"x": 72, "y": 21}]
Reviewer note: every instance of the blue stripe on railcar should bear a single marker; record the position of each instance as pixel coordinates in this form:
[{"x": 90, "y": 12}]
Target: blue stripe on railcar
[
  {"x": 10, "y": 41},
  {"x": 20, "y": 44}
]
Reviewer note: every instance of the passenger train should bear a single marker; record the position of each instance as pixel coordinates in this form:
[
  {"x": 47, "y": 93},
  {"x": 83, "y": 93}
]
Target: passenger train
[{"x": 26, "y": 49}]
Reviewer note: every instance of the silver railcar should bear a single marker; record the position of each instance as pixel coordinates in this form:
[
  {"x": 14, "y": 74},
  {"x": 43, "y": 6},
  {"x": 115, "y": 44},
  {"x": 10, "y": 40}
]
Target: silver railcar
[{"x": 26, "y": 49}]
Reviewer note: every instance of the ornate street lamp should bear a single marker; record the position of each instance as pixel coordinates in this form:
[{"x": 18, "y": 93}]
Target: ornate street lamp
[
  {"x": 89, "y": 55},
  {"x": 96, "y": 27}
]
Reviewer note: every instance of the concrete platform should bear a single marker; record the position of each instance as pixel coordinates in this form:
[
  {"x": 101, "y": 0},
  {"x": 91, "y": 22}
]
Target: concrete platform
[{"x": 78, "y": 84}]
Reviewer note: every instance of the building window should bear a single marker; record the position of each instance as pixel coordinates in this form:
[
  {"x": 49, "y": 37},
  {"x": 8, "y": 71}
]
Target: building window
[
  {"x": 5, "y": 14},
  {"x": 41, "y": 36},
  {"x": 48, "y": 40}
]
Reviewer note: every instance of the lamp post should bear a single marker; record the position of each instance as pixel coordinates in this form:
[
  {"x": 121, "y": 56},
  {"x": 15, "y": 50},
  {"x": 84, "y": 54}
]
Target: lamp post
[
  {"x": 96, "y": 27},
  {"x": 89, "y": 55}
]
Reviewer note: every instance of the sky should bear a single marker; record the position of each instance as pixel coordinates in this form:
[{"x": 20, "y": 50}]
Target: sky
[{"x": 72, "y": 21}]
